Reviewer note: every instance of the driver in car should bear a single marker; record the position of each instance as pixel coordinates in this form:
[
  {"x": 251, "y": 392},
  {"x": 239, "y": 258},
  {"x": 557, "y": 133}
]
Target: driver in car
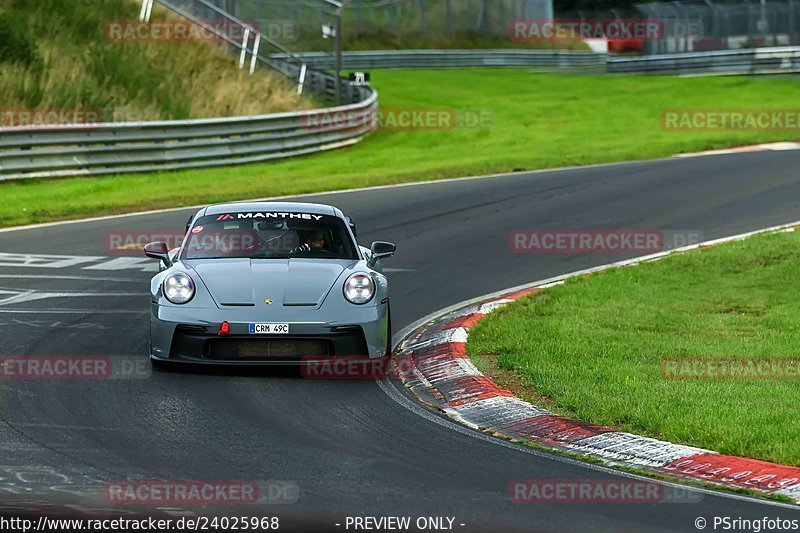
[{"x": 312, "y": 240}]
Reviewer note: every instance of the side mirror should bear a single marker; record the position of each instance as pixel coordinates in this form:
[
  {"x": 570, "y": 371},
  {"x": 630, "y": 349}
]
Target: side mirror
[
  {"x": 379, "y": 250},
  {"x": 158, "y": 250}
]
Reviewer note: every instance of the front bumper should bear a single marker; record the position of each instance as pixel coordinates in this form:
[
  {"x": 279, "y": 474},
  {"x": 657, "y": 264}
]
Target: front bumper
[{"x": 191, "y": 335}]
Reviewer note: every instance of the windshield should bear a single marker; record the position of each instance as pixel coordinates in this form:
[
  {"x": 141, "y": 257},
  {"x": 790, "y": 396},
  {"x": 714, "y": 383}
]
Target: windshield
[{"x": 269, "y": 236}]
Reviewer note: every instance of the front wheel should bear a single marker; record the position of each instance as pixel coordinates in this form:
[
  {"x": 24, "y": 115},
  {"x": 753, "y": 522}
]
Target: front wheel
[{"x": 388, "y": 331}]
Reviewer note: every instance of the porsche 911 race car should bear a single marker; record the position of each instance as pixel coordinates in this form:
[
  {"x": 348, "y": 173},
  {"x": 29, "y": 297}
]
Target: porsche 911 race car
[{"x": 269, "y": 283}]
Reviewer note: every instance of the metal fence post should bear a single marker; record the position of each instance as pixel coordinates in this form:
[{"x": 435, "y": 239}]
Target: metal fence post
[
  {"x": 245, "y": 42},
  {"x": 147, "y": 9},
  {"x": 254, "y": 58},
  {"x": 339, "y": 57}
]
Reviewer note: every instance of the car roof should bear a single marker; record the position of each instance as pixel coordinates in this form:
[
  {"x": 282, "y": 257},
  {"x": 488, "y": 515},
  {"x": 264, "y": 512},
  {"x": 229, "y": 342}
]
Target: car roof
[{"x": 293, "y": 207}]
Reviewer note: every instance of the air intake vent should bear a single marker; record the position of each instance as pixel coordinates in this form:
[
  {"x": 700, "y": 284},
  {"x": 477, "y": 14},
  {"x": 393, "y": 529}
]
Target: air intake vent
[{"x": 266, "y": 349}]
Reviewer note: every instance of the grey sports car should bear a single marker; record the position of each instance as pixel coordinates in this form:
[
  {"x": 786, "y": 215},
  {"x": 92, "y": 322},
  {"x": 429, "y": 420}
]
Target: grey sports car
[{"x": 269, "y": 283}]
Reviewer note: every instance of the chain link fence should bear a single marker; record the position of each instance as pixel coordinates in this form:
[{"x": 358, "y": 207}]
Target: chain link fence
[
  {"x": 685, "y": 25},
  {"x": 688, "y": 25},
  {"x": 708, "y": 25},
  {"x": 298, "y": 24}
]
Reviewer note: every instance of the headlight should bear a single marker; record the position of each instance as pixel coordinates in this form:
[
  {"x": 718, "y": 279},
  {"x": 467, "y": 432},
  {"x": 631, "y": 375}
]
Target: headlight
[
  {"x": 359, "y": 288},
  {"x": 179, "y": 288}
]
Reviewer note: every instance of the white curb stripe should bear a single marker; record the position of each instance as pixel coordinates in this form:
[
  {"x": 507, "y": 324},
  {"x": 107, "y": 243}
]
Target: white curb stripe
[
  {"x": 487, "y": 308},
  {"x": 633, "y": 448},
  {"x": 448, "y": 336},
  {"x": 450, "y": 368},
  {"x": 791, "y": 492},
  {"x": 495, "y": 412}
]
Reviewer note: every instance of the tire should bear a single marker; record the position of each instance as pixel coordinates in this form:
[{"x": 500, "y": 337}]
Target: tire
[{"x": 389, "y": 332}]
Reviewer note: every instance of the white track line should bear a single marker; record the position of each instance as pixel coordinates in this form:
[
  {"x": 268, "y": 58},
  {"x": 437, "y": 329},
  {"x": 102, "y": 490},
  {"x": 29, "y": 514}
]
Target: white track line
[{"x": 360, "y": 189}]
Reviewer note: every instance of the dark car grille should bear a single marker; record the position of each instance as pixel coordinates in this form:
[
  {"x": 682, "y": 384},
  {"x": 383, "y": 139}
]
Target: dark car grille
[
  {"x": 192, "y": 342},
  {"x": 230, "y": 349}
]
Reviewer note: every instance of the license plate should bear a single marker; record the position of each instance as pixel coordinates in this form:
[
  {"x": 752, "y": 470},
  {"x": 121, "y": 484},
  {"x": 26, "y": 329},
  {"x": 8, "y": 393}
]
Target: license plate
[{"x": 269, "y": 329}]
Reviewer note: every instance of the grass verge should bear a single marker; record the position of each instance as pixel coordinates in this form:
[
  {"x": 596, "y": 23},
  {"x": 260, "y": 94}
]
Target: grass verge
[
  {"x": 63, "y": 55},
  {"x": 539, "y": 121},
  {"x": 593, "y": 348}
]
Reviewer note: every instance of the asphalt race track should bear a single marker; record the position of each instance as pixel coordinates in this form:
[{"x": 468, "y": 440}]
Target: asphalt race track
[{"x": 354, "y": 448}]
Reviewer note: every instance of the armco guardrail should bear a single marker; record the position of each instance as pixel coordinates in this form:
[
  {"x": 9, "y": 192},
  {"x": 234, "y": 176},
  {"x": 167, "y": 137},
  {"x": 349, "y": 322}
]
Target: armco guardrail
[
  {"x": 747, "y": 61},
  {"x": 96, "y": 149},
  {"x": 453, "y": 58},
  {"x": 150, "y": 146}
]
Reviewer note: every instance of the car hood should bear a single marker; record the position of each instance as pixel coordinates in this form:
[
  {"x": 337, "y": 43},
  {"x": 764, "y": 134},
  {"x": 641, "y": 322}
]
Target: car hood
[{"x": 251, "y": 282}]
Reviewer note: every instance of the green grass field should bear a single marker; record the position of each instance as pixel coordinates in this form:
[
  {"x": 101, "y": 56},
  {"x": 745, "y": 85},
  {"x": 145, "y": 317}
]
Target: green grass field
[
  {"x": 593, "y": 347},
  {"x": 540, "y": 121}
]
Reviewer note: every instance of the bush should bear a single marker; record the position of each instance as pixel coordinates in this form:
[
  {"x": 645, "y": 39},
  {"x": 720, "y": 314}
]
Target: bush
[{"x": 14, "y": 47}]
